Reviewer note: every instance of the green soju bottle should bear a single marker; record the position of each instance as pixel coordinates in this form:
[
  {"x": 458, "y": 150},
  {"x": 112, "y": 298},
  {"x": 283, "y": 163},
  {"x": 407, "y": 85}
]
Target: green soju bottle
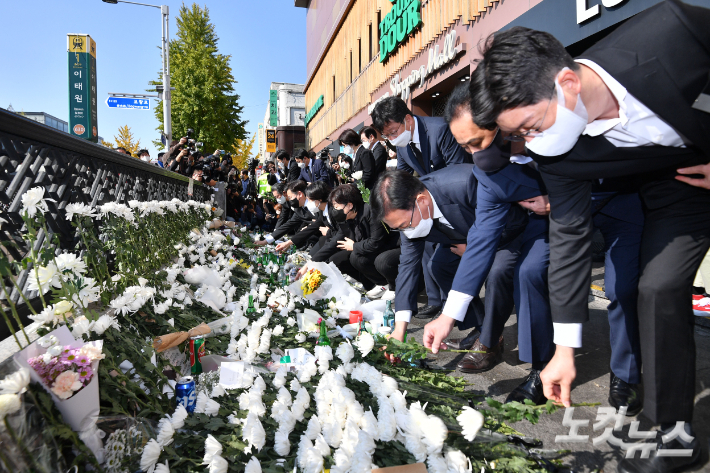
[
  {"x": 323, "y": 339},
  {"x": 251, "y": 309},
  {"x": 388, "y": 316}
]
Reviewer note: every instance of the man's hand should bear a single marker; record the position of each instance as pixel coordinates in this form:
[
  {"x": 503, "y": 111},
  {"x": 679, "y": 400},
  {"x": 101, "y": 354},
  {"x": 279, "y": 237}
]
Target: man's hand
[
  {"x": 436, "y": 331},
  {"x": 558, "y": 375},
  {"x": 458, "y": 249},
  {"x": 301, "y": 272},
  {"x": 703, "y": 182},
  {"x": 400, "y": 330},
  {"x": 260, "y": 243},
  {"x": 323, "y": 230},
  {"x": 283, "y": 246},
  {"x": 539, "y": 205},
  {"x": 346, "y": 244},
  {"x": 183, "y": 140}
]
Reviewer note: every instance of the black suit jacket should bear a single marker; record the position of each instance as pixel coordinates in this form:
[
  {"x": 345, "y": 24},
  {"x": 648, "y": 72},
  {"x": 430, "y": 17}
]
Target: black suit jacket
[
  {"x": 379, "y": 152},
  {"x": 365, "y": 162},
  {"x": 438, "y": 146},
  {"x": 300, "y": 218},
  {"x": 293, "y": 171},
  {"x": 662, "y": 57}
]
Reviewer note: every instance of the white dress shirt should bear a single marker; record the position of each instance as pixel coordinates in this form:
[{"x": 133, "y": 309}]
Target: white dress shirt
[
  {"x": 406, "y": 315},
  {"x": 415, "y": 134},
  {"x": 636, "y": 126}
]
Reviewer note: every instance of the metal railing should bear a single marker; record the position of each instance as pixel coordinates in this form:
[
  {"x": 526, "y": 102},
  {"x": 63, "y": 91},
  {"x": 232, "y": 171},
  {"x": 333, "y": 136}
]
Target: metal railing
[{"x": 71, "y": 170}]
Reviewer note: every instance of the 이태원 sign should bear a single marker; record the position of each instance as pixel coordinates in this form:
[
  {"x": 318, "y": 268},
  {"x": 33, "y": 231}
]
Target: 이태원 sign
[
  {"x": 83, "y": 121},
  {"x": 273, "y": 108}
]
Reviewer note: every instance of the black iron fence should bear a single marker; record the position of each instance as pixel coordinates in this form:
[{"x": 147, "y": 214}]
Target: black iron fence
[{"x": 71, "y": 170}]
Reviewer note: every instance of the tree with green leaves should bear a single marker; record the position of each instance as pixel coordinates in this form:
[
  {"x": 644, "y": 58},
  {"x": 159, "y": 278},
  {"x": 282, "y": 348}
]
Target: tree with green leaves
[{"x": 204, "y": 97}]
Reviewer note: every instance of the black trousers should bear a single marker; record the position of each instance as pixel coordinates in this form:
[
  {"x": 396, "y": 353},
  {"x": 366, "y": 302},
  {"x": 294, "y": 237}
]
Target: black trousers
[
  {"x": 341, "y": 259},
  {"x": 675, "y": 240},
  {"x": 379, "y": 269}
]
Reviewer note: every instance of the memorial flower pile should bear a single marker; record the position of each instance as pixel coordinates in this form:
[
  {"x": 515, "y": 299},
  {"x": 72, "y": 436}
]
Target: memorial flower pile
[{"x": 291, "y": 406}]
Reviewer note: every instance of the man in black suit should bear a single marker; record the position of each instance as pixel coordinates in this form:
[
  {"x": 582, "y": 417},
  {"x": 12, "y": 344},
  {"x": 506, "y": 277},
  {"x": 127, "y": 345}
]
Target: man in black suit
[
  {"x": 301, "y": 216},
  {"x": 289, "y": 167},
  {"x": 636, "y": 102},
  {"x": 312, "y": 170},
  {"x": 363, "y": 161},
  {"x": 371, "y": 140},
  {"x": 424, "y": 145}
]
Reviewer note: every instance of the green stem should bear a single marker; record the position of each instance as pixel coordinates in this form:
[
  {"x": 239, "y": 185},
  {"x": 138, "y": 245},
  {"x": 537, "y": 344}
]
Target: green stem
[
  {"x": 32, "y": 309},
  {"x": 9, "y": 326},
  {"x": 16, "y": 316}
]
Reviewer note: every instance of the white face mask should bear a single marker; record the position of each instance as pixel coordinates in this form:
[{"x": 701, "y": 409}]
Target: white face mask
[
  {"x": 561, "y": 137},
  {"x": 145, "y": 158},
  {"x": 347, "y": 149},
  {"x": 281, "y": 200},
  {"x": 422, "y": 229},
  {"x": 301, "y": 165},
  {"x": 366, "y": 144},
  {"x": 345, "y": 165},
  {"x": 403, "y": 139},
  {"x": 311, "y": 206}
]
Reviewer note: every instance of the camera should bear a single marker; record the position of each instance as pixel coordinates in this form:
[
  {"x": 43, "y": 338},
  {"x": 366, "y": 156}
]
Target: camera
[
  {"x": 191, "y": 143},
  {"x": 324, "y": 153}
]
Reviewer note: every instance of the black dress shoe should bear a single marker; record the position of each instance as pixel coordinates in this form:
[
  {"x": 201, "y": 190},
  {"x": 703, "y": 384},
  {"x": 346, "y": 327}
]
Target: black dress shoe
[
  {"x": 531, "y": 389},
  {"x": 622, "y": 393},
  {"x": 428, "y": 311},
  {"x": 663, "y": 464},
  {"x": 464, "y": 343}
]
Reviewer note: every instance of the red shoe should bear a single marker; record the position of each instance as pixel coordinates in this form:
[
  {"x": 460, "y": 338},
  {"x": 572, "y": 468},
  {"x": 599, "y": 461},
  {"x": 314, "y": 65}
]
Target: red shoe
[{"x": 701, "y": 305}]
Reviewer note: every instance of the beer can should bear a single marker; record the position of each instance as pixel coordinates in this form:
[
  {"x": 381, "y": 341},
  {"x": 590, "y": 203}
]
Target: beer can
[
  {"x": 185, "y": 393},
  {"x": 197, "y": 351}
]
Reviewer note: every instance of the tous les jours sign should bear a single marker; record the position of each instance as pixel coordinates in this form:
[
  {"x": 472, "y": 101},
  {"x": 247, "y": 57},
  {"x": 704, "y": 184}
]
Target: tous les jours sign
[{"x": 584, "y": 13}]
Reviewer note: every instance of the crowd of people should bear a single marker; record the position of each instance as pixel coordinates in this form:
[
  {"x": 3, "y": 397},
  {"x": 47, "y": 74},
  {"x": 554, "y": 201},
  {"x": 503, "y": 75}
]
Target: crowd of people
[{"x": 535, "y": 153}]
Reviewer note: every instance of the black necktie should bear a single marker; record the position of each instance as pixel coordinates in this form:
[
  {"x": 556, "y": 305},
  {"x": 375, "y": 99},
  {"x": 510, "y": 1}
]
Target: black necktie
[
  {"x": 449, "y": 232},
  {"x": 418, "y": 155}
]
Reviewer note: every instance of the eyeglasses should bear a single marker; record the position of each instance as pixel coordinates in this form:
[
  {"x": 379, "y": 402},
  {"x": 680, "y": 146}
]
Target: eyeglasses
[
  {"x": 395, "y": 134},
  {"x": 518, "y": 137},
  {"x": 411, "y": 218}
]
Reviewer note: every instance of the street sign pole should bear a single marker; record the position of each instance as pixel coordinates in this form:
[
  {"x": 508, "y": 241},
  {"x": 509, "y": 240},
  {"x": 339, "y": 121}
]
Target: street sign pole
[
  {"x": 167, "y": 121},
  {"x": 81, "y": 51}
]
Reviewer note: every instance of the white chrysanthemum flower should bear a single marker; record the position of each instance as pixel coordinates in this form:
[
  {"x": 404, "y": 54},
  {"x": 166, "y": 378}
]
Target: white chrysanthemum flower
[
  {"x": 457, "y": 462},
  {"x": 178, "y": 418},
  {"x": 389, "y": 385},
  {"x": 265, "y": 342},
  {"x": 291, "y": 321},
  {"x": 162, "y": 468},
  {"x": 253, "y": 466},
  {"x": 333, "y": 433},
  {"x": 151, "y": 453},
  {"x": 436, "y": 463},
  {"x": 253, "y": 432},
  {"x": 278, "y": 330},
  {"x": 80, "y": 209},
  {"x": 80, "y": 326},
  {"x": 104, "y": 323},
  {"x": 15, "y": 383},
  {"x": 165, "y": 432},
  {"x": 9, "y": 404},
  {"x": 284, "y": 396},
  {"x": 88, "y": 293},
  {"x": 70, "y": 264},
  {"x": 470, "y": 421},
  {"x": 386, "y": 424},
  {"x": 282, "y": 445},
  {"x": 365, "y": 343},
  {"x": 368, "y": 423},
  {"x": 218, "y": 465},
  {"x": 33, "y": 201},
  {"x": 212, "y": 448},
  {"x": 280, "y": 377},
  {"x": 308, "y": 371},
  {"x": 48, "y": 316},
  {"x": 43, "y": 278},
  {"x": 313, "y": 429},
  {"x": 416, "y": 447}
]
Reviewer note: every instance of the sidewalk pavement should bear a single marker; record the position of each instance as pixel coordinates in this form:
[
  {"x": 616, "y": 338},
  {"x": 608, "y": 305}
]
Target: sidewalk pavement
[{"x": 591, "y": 385}]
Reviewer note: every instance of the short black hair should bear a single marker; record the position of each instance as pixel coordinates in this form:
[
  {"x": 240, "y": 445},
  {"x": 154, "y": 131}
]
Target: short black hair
[
  {"x": 459, "y": 101},
  {"x": 391, "y": 109},
  {"x": 280, "y": 187},
  {"x": 319, "y": 190},
  {"x": 350, "y": 137},
  {"x": 282, "y": 154},
  {"x": 394, "y": 190},
  {"x": 121, "y": 148},
  {"x": 300, "y": 153},
  {"x": 518, "y": 69},
  {"x": 311, "y": 154},
  {"x": 347, "y": 159},
  {"x": 346, "y": 194},
  {"x": 369, "y": 132},
  {"x": 161, "y": 154},
  {"x": 299, "y": 185},
  {"x": 141, "y": 152}
]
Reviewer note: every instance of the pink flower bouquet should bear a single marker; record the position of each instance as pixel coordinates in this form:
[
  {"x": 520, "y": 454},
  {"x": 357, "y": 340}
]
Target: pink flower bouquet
[{"x": 68, "y": 372}]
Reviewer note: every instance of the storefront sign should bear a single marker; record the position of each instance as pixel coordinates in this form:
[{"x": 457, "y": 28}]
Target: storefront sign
[
  {"x": 270, "y": 141},
  {"x": 398, "y": 24},
  {"x": 436, "y": 61},
  {"x": 273, "y": 108},
  {"x": 81, "y": 51},
  {"x": 314, "y": 109},
  {"x": 584, "y": 13}
]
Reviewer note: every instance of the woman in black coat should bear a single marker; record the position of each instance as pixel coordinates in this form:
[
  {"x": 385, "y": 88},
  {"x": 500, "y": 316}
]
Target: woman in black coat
[
  {"x": 363, "y": 160},
  {"x": 362, "y": 247}
]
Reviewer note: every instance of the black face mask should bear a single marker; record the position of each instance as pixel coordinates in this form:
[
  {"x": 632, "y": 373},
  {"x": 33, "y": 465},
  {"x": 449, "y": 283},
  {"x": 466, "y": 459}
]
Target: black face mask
[
  {"x": 495, "y": 157},
  {"x": 339, "y": 215},
  {"x": 294, "y": 203}
]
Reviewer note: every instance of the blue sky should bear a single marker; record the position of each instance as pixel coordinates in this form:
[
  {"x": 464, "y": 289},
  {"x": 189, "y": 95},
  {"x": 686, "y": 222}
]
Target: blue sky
[{"x": 266, "y": 39}]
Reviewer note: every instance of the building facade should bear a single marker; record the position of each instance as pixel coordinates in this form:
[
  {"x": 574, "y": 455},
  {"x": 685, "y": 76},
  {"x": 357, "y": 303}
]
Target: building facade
[
  {"x": 359, "y": 51},
  {"x": 286, "y": 113}
]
